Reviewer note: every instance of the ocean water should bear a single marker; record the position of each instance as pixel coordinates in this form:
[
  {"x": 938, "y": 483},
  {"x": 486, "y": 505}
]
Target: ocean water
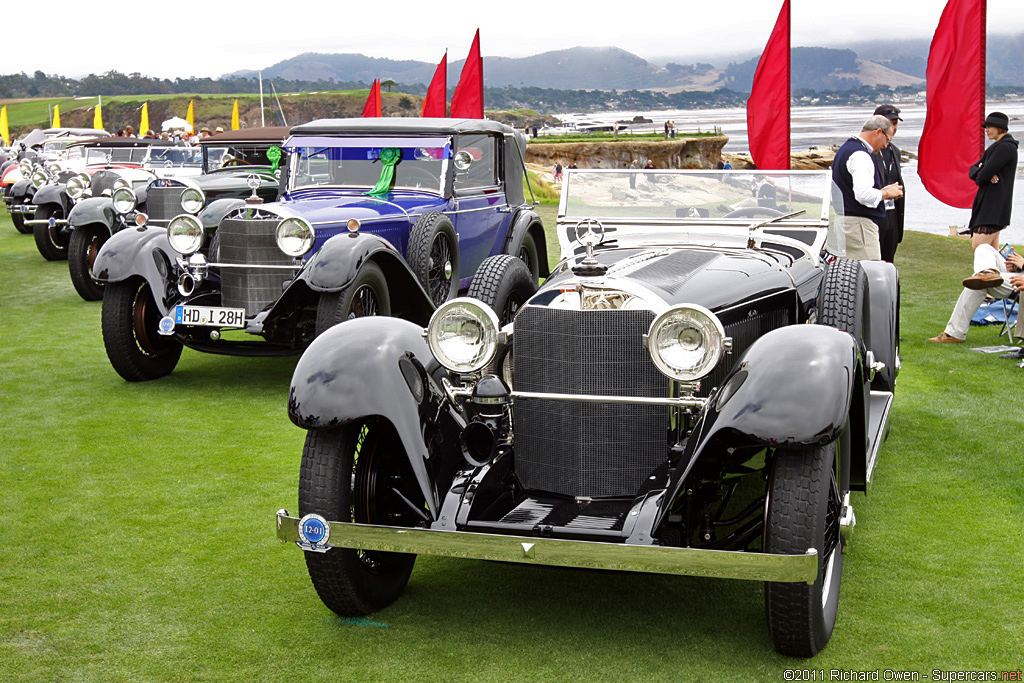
[{"x": 813, "y": 126}]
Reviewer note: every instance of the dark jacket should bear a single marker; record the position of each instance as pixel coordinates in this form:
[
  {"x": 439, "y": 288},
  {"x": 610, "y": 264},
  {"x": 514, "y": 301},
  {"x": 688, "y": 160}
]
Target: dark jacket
[
  {"x": 993, "y": 202},
  {"x": 889, "y": 161}
]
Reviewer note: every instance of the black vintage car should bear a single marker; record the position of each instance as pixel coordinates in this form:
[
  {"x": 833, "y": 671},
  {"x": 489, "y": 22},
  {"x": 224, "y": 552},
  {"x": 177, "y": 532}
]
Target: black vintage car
[
  {"x": 696, "y": 389},
  {"x": 69, "y": 180},
  {"x": 229, "y": 167},
  {"x": 376, "y": 217}
]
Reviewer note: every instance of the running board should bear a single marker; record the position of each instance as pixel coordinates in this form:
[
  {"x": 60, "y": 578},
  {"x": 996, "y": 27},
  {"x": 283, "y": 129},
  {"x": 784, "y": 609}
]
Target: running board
[{"x": 879, "y": 405}]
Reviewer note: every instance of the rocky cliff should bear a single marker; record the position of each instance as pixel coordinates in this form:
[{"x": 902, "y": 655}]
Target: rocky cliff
[{"x": 702, "y": 152}]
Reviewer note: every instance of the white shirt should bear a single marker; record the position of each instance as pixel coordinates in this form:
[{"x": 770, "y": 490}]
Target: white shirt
[{"x": 862, "y": 170}]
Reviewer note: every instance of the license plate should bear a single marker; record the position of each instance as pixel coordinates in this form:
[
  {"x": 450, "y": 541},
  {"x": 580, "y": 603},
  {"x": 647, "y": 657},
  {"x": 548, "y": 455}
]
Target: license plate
[{"x": 209, "y": 316}]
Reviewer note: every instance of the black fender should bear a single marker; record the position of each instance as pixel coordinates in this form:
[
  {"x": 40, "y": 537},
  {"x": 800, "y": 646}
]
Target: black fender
[
  {"x": 213, "y": 213},
  {"x": 141, "y": 251},
  {"x": 355, "y": 370},
  {"x": 884, "y": 313},
  {"x": 527, "y": 220},
  {"x": 334, "y": 266},
  {"x": 53, "y": 194},
  {"x": 92, "y": 211},
  {"x": 792, "y": 388},
  {"x": 23, "y": 189}
]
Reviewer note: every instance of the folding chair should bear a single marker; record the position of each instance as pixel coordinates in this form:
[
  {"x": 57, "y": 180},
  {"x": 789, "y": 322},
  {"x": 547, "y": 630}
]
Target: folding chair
[{"x": 1010, "y": 302}]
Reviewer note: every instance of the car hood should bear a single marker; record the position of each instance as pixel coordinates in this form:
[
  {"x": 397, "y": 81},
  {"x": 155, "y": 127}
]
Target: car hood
[
  {"x": 713, "y": 278},
  {"x": 319, "y": 207}
]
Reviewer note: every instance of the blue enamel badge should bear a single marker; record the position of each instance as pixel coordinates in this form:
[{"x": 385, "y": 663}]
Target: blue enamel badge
[{"x": 314, "y": 533}]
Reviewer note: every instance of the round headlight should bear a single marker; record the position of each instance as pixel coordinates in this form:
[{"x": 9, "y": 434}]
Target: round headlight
[
  {"x": 26, "y": 168},
  {"x": 124, "y": 200},
  {"x": 185, "y": 233},
  {"x": 463, "y": 334},
  {"x": 122, "y": 182},
  {"x": 294, "y": 236},
  {"x": 75, "y": 187},
  {"x": 687, "y": 342},
  {"x": 192, "y": 200},
  {"x": 39, "y": 179}
]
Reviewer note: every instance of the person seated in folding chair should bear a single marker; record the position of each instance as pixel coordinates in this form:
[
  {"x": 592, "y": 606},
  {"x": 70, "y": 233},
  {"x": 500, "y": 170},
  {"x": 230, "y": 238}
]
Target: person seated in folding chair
[{"x": 991, "y": 276}]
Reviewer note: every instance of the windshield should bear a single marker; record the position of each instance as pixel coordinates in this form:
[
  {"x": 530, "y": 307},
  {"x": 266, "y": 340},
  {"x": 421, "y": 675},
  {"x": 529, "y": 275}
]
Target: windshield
[
  {"x": 391, "y": 163},
  {"x": 243, "y": 154},
  {"x": 115, "y": 155},
  {"x": 173, "y": 156},
  {"x": 669, "y": 202}
]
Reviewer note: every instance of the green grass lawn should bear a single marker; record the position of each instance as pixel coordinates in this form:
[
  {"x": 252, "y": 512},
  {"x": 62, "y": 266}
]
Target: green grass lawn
[{"x": 138, "y": 544}]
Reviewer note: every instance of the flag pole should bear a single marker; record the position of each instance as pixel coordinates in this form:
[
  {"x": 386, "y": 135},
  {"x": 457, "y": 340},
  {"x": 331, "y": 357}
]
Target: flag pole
[{"x": 263, "y": 121}]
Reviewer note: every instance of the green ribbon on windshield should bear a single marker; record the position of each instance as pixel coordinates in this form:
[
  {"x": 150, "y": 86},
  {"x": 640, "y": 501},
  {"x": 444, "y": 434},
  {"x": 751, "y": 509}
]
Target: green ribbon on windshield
[
  {"x": 274, "y": 155},
  {"x": 389, "y": 156}
]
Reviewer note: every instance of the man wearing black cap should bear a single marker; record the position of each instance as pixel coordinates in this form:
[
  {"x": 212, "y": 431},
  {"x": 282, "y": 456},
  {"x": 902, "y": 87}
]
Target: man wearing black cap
[{"x": 888, "y": 161}]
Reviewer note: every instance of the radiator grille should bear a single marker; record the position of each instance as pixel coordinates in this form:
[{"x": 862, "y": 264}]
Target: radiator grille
[
  {"x": 586, "y": 449},
  {"x": 251, "y": 242},
  {"x": 163, "y": 204}
]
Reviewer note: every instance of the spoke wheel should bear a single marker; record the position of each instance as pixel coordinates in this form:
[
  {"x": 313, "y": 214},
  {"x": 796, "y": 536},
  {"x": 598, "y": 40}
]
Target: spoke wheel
[
  {"x": 48, "y": 237},
  {"x": 804, "y": 508},
  {"x": 130, "y": 319},
  {"x": 367, "y": 294},
  {"x": 359, "y": 473},
  {"x": 433, "y": 255}
]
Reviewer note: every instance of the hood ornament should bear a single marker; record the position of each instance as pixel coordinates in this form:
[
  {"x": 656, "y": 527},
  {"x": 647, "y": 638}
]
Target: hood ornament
[{"x": 589, "y": 232}]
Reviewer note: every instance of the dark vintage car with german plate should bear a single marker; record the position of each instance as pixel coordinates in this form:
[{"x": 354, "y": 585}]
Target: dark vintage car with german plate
[
  {"x": 228, "y": 167},
  {"x": 375, "y": 217},
  {"x": 697, "y": 389}
]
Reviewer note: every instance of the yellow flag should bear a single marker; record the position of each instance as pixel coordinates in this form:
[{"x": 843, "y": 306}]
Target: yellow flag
[
  {"x": 144, "y": 124},
  {"x": 4, "y": 133},
  {"x": 189, "y": 117},
  {"x": 56, "y": 116},
  {"x": 97, "y": 117},
  {"x": 234, "y": 116}
]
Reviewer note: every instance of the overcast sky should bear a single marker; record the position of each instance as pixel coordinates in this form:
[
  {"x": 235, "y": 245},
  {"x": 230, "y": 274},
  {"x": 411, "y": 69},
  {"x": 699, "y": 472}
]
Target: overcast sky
[{"x": 171, "y": 40}]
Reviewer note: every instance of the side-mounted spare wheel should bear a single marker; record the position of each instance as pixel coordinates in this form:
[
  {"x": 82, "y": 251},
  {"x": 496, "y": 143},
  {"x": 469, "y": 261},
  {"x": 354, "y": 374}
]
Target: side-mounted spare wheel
[
  {"x": 433, "y": 255},
  {"x": 49, "y": 241},
  {"x": 368, "y": 294},
  {"x": 842, "y": 299},
  {"x": 504, "y": 283},
  {"x": 130, "y": 319},
  {"x": 85, "y": 243},
  {"x": 359, "y": 473}
]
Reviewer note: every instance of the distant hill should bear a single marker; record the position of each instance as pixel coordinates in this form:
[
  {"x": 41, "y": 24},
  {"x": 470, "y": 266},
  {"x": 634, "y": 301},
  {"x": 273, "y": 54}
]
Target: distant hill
[{"x": 888, "y": 62}]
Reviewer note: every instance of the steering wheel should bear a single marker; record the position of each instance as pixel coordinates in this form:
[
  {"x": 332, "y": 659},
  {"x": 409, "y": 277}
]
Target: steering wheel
[
  {"x": 753, "y": 212},
  {"x": 236, "y": 162},
  {"x": 417, "y": 177}
]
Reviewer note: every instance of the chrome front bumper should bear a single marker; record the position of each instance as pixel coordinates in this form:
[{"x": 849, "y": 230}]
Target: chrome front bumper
[{"x": 559, "y": 552}]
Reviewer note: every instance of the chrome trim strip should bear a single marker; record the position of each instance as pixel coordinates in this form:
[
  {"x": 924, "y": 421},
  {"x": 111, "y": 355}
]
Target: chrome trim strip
[
  {"x": 880, "y": 405},
  {"x": 681, "y": 402},
  {"x": 46, "y": 221},
  {"x": 255, "y": 265},
  {"x": 652, "y": 559}
]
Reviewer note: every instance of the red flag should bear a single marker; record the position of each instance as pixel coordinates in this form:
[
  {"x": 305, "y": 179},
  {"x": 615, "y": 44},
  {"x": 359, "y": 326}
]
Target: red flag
[
  {"x": 372, "y": 106},
  {"x": 768, "y": 105},
  {"x": 953, "y": 139},
  {"x": 468, "y": 98},
  {"x": 436, "y": 101}
]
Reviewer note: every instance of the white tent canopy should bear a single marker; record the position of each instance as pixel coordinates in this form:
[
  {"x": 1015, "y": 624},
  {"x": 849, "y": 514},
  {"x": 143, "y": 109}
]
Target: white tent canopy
[{"x": 175, "y": 123}]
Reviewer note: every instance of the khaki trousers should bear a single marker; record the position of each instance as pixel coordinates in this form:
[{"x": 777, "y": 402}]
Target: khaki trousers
[{"x": 861, "y": 238}]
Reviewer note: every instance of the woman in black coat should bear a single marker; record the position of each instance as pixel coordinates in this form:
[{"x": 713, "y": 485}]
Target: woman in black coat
[{"x": 994, "y": 176}]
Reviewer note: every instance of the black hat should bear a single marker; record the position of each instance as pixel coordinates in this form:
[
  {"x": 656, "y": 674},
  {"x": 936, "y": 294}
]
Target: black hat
[
  {"x": 997, "y": 119},
  {"x": 888, "y": 111}
]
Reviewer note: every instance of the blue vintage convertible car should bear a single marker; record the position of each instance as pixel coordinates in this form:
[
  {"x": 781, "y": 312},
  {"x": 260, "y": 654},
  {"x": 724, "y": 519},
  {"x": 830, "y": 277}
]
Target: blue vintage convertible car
[{"x": 376, "y": 217}]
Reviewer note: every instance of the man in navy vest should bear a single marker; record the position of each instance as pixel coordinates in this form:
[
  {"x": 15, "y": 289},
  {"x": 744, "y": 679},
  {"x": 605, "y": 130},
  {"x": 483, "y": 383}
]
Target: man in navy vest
[{"x": 859, "y": 180}]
